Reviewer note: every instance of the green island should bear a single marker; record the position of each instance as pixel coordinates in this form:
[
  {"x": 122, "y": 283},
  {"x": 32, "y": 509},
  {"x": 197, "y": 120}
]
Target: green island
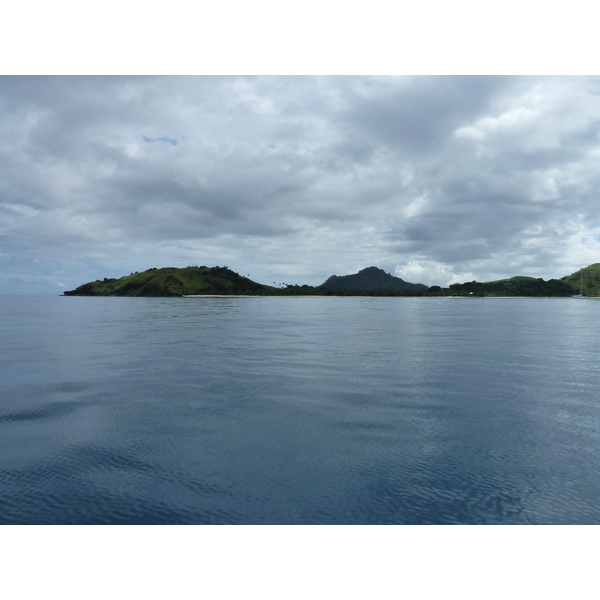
[{"x": 372, "y": 281}]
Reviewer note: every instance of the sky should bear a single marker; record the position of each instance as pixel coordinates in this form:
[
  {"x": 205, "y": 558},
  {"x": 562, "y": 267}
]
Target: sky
[{"x": 292, "y": 179}]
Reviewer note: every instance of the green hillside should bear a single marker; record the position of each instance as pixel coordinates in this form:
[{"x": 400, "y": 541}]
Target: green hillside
[
  {"x": 591, "y": 280},
  {"x": 515, "y": 286},
  {"x": 512, "y": 280},
  {"x": 371, "y": 278},
  {"x": 171, "y": 281},
  {"x": 530, "y": 286}
]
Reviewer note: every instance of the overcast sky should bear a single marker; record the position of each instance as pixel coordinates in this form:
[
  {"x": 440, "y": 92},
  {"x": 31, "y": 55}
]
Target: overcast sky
[{"x": 293, "y": 179}]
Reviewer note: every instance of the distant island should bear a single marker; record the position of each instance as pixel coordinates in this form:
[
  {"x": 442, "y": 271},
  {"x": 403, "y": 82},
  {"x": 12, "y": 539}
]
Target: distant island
[
  {"x": 371, "y": 278},
  {"x": 172, "y": 281},
  {"x": 222, "y": 281},
  {"x": 372, "y": 281}
]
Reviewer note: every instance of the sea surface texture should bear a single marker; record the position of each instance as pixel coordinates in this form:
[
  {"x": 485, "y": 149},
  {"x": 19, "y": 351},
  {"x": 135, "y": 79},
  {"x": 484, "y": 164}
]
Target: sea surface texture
[{"x": 299, "y": 411}]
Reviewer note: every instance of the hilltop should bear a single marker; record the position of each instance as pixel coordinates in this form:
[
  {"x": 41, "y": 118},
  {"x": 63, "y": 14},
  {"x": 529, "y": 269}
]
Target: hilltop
[{"x": 371, "y": 278}]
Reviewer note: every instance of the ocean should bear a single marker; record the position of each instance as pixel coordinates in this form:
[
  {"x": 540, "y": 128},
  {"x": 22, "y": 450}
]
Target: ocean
[{"x": 284, "y": 410}]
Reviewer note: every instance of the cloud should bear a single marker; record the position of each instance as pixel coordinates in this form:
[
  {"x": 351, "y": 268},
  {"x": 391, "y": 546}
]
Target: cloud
[
  {"x": 165, "y": 139},
  {"x": 296, "y": 178},
  {"x": 430, "y": 273}
]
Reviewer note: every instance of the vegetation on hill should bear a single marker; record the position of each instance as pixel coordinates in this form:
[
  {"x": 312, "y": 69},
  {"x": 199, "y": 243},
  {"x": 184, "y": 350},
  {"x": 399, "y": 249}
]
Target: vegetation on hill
[
  {"x": 171, "y": 281},
  {"x": 515, "y": 286},
  {"x": 309, "y": 290},
  {"x": 591, "y": 280},
  {"x": 371, "y": 278},
  {"x": 529, "y": 286}
]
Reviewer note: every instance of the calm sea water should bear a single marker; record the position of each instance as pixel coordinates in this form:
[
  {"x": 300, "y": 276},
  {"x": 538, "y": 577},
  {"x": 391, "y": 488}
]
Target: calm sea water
[{"x": 299, "y": 410}]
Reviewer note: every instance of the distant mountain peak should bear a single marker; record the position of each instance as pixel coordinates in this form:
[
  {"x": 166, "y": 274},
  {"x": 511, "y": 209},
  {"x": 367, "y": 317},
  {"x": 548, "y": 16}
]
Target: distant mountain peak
[{"x": 371, "y": 278}]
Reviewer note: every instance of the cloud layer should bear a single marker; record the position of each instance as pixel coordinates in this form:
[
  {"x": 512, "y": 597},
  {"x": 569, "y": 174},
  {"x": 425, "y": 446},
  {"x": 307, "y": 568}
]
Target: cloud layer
[{"x": 294, "y": 179}]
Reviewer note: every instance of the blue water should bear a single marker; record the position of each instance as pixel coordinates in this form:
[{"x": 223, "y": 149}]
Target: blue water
[{"x": 299, "y": 411}]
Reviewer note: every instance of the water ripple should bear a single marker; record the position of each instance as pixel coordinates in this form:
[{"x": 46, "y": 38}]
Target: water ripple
[{"x": 275, "y": 410}]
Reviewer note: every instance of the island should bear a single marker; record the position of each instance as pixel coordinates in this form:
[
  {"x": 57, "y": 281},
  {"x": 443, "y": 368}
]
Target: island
[
  {"x": 371, "y": 278},
  {"x": 372, "y": 281},
  {"x": 173, "y": 281}
]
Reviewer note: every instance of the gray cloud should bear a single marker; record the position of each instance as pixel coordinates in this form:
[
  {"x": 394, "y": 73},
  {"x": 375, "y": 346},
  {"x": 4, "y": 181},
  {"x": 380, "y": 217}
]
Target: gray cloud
[{"x": 293, "y": 179}]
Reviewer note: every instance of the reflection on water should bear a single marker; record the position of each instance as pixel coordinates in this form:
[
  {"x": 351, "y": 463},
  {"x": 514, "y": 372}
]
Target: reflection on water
[{"x": 299, "y": 410}]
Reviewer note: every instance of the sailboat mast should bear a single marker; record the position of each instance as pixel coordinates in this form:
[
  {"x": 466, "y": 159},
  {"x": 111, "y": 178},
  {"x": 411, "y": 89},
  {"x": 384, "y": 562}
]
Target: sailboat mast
[{"x": 580, "y": 287}]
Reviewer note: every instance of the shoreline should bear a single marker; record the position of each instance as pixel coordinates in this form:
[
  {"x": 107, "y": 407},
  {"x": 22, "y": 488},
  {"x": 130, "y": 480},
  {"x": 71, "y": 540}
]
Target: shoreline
[{"x": 369, "y": 296}]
